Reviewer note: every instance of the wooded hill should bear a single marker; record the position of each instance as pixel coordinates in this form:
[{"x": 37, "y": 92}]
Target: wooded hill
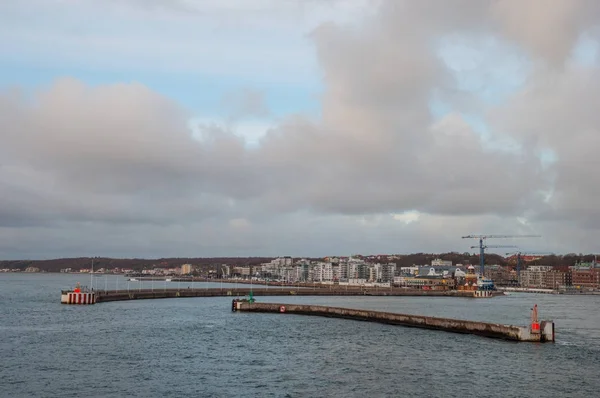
[
  {"x": 137, "y": 264},
  {"x": 407, "y": 260}
]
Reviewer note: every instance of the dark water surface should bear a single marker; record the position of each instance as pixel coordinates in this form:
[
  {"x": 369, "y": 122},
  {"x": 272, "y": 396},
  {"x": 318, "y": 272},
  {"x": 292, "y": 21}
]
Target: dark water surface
[{"x": 197, "y": 347}]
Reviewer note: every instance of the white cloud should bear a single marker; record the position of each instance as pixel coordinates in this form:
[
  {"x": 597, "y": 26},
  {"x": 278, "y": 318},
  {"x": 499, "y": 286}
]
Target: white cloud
[{"x": 407, "y": 217}]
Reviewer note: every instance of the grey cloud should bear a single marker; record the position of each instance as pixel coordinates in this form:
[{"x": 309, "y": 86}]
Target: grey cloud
[
  {"x": 548, "y": 28},
  {"x": 557, "y": 112},
  {"x": 297, "y": 234}
]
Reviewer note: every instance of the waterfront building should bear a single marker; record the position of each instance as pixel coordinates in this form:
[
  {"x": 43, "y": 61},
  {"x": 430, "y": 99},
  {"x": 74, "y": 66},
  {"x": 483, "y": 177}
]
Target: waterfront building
[
  {"x": 343, "y": 270},
  {"x": 387, "y": 272},
  {"x": 557, "y": 279},
  {"x": 534, "y": 276},
  {"x": 433, "y": 282},
  {"x": 186, "y": 269},
  {"x": 502, "y": 276},
  {"x": 586, "y": 275},
  {"x": 409, "y": 270},
  {"x": 441, "y": 263},
  {"x": 241, "y": 271}
]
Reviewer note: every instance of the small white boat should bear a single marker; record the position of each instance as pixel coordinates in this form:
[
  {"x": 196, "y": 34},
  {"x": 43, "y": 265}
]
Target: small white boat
[
  {"x": 168, "y": 280},
  {"x": 132, "y": 279}
]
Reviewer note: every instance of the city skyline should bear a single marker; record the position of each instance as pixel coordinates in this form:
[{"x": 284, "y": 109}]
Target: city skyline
[{"x": 256, "y": 128}]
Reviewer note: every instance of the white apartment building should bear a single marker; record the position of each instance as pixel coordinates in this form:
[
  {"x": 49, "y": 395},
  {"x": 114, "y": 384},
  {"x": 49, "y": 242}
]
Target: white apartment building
[
  {"x": 534, "y": 276},
  {"x": 438, "y": 262}
]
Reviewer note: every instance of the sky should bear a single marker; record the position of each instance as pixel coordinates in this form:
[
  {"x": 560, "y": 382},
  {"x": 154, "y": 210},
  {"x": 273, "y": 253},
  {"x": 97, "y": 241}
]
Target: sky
[{"x": 194, "y": 128}]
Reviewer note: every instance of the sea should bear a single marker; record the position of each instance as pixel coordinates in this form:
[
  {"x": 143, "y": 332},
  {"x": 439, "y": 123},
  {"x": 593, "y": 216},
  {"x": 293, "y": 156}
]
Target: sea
[{"x": 197, "y": 347}]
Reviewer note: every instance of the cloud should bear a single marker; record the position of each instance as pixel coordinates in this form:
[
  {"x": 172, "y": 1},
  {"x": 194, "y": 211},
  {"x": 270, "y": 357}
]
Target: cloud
[
  {"x": 377, "y": 170},
  {"x": 245, "y": 103},
  {"x": 548, "y": 29},
  {"x": 556, "y": 112}
]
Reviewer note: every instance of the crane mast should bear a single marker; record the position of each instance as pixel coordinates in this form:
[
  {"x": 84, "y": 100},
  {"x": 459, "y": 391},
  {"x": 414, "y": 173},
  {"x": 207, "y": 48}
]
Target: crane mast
[
  {"x": 520, "y": 260},
  {"x": 483, "y": 246}
]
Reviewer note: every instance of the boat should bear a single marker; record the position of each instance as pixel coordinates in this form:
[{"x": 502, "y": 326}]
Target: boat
[
  {"x": 168, "y": 280},
  {"x": 484, "y": 283},
  {"x": 132, "y": 280}
]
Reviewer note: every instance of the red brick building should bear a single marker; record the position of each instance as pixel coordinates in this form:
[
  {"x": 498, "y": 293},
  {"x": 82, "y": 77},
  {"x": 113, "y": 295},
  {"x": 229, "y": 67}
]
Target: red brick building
[
  {"x": 557, "y": 278},
  {"x": 586, "y": 276}
]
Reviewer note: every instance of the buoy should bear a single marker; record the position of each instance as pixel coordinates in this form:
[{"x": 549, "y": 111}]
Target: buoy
[{"x": 282, "y": 308}]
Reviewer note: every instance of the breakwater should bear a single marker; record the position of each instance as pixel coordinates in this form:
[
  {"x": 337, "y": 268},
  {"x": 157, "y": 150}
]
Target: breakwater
[
  {"x": 143, "y": 294},
  {"x": 536, "y": 332}
]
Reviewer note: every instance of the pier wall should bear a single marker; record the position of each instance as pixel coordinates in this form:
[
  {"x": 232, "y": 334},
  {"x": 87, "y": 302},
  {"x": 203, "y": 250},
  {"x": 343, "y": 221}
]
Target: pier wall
[
  {"x": 493, "y": 330},
  {"x": 78, "y": 298},
  {"x": 121, "y": 295}
]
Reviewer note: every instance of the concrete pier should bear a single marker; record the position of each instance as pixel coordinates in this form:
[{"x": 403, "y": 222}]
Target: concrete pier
[
  {"x": 492, "y": 330},
  {"x": 121, "y": 295}
]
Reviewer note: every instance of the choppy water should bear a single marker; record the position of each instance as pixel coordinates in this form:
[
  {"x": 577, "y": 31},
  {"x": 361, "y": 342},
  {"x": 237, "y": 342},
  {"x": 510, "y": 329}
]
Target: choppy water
[{"x": 197, "y": 347}]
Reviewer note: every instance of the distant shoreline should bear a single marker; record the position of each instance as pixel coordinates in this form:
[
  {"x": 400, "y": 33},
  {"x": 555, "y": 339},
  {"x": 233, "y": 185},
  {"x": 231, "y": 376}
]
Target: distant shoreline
[{"x": 174, "y": 279}]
